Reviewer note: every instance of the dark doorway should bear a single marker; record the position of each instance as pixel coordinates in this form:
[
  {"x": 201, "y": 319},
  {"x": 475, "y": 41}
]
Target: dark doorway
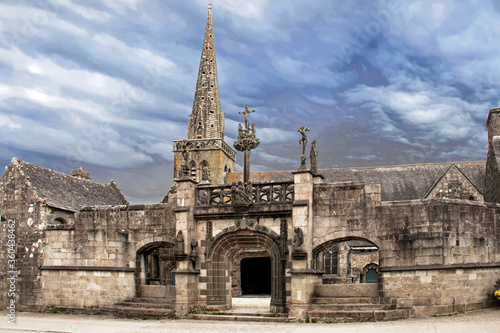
[{"x": 256, "y": 276}]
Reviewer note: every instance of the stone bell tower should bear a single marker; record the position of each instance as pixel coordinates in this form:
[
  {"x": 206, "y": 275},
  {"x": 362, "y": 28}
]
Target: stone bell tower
[{"x": 204, "y": 156}]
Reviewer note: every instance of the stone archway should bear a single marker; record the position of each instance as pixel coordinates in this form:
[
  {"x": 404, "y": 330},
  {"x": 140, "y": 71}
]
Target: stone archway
[
  {"x": 154, "y": 265},
  {"x": 343, "y": 259},
  {"x": 234, "y": 246}
]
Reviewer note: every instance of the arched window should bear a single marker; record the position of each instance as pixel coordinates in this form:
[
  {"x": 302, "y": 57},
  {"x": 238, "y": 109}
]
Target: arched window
[{"x": 192, "y": 170}]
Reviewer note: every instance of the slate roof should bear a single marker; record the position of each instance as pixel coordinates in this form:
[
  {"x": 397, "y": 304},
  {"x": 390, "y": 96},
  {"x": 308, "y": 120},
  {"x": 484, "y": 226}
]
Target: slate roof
[
  {"x": 66, "y": 192},
  {"x": 398, "y": 182}
]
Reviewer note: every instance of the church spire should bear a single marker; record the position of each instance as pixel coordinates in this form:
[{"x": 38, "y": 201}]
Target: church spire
[{"x": 206, "y": 120}]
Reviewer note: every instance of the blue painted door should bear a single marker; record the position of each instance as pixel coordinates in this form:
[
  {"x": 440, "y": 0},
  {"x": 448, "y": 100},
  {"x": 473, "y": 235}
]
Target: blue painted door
[{"x": 372, "y": 276}]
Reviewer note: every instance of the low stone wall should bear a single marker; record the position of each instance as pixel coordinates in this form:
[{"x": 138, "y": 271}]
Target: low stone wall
[
  {"x": 347, "y": 290},
  {"x": 86, "y": 288},
  {"x": 440, "y": 291}
]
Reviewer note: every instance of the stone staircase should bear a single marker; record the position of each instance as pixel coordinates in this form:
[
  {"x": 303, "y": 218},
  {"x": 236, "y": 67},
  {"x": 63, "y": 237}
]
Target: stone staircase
[
  {"x": 244, "y": 309},
  {"x": 156, "y": 302},
  {"x": 352, "y": 302}
]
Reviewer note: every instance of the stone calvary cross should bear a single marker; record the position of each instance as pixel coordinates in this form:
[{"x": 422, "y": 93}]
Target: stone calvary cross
[{"x": 246, "y": 141}]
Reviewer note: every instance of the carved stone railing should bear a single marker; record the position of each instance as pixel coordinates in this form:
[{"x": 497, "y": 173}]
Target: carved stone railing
[
  {"x": 205, "y": 144},
  {"x": 220, "y": 195}
]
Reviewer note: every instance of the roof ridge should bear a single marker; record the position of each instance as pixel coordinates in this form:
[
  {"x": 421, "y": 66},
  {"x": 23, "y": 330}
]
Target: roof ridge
[
  {"x": 59, "y": 172},
  {"x": 379, "y": 166}
]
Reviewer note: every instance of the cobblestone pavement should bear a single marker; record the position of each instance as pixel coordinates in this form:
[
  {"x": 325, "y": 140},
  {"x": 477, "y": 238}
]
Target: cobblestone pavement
[{"x": 475, "y": 321}]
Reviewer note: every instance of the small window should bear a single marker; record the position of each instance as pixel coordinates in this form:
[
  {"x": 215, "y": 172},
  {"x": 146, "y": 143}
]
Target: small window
[{"x": 59, "y": 220}]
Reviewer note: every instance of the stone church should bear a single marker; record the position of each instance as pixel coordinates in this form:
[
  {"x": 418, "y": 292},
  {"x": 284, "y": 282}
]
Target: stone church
[{"x": 360, "y": 243}]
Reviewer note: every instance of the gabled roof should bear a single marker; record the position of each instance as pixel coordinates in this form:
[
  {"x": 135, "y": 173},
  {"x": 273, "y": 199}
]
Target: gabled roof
[
  {"x": 453, "y": 169},
  {"x": 398, "y": 182},
  {"x": 66, "y": 192}
]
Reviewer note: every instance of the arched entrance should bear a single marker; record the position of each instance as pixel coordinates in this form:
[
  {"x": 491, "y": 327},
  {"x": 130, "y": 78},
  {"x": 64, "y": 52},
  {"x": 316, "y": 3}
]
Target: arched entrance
[
  {"x": 256, "y": 276},
  {"x": 344, "y": 260},
  {"x": 154, "y": 278},
  {"x": 257, "y": 255}
]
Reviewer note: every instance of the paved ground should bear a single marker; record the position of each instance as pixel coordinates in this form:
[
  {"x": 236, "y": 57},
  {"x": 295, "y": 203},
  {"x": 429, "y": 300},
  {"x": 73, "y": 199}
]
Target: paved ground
[{"x": 475, "y": 321}]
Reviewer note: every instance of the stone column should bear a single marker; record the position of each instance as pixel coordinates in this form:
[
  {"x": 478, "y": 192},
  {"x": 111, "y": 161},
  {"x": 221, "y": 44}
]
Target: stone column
[
  {"x": 304, "y": 277},
  {"x": 186, "y": 278}
]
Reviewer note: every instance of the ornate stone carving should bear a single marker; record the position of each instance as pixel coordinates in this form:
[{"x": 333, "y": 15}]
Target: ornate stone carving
[
  {"x": 298, "y": 240},
  {"x": 313, "y": 157},
  {"x": 246, "y": 224},
  {"x": 184, "y": 146},
  {"x": 179, "y": 243},
  {"x": 302, "y": 143},
  {"x": 246, "y": 141},
  {"x": 193, "y": 255}
]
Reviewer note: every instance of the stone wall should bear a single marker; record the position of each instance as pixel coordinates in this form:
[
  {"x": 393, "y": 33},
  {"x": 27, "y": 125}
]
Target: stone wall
[
  {"x": 86, "y": 289},
  {"x": 456, "y": 239},
  {"x": 18, "y": 203},
  {"x": 94, "y": 263},
  {"x": 439, "y": 291}
]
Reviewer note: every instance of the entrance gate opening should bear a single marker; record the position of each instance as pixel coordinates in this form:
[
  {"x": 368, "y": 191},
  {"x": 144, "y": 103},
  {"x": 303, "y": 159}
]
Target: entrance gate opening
[{"x": 256, "y": 276}]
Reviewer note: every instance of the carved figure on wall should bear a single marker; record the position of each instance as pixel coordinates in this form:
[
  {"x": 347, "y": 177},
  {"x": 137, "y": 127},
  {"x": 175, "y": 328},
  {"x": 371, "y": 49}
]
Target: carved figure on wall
[
  {"x": 193, "y": 255},
  {"x": 298, "y": 239},
  {"x": 184, "y": 170},
  {"x": 313, "y": 156},
  {"x": 179, "y": 243},
  {"x": 205, "y": 173},
  {"x": 240, "y": 194}
]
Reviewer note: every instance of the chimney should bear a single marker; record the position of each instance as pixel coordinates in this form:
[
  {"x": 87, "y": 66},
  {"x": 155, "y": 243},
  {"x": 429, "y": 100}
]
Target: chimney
[{"x": 80, "y": 173}]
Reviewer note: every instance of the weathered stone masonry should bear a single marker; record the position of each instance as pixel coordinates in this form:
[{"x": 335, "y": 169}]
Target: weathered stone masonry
[{"x": 416, "y": 239}]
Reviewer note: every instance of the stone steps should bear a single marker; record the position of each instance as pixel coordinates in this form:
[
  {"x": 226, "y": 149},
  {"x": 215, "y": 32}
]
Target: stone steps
[
  {"x": 144, "y": 307},
  {"x": 351, "y": 316},
  {"x": 345, "y": 300},
  {"x": 134, "y": 312},
  {"x": 347, "y": 307},
  {"x": 239, "y": 317}
]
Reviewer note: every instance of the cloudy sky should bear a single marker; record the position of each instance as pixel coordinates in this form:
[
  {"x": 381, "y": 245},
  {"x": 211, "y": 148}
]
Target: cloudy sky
[{"x": 108, "y": 84}]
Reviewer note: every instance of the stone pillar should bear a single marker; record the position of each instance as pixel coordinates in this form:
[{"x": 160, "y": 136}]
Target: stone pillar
[
  {"x": 302, "y": 288},
  {"x": 492, "y": 177},
  {"x": 186, "y": 278},
  {"x": 304, "y": 277},
  {"x": 302, "y": 215}
]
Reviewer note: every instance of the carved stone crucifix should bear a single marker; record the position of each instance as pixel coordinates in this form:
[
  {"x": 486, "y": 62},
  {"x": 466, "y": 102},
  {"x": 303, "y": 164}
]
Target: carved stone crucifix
[{"x": 246, "y": 141}]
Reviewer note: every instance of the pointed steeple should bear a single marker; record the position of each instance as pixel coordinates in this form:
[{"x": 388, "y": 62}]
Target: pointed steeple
[{"x": 206, "y": 120}]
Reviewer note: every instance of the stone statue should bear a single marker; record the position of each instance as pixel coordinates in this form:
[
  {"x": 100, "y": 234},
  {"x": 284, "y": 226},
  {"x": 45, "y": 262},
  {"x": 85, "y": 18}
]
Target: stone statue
[
  {"x": 193, "y": 255},
  {"x": 246, "y": 141},
  {"x": 240, "y": 194},
  {"x": 245, "y": 114},
  {"x": 298, "y": 239},
  {"x": 303, "y": 140},
  {"x": 205, "y": 173},
  {"x": 185, "y": 148},
  {"x": 179, "y": 243},
  {"x": 313, "y": 154}
]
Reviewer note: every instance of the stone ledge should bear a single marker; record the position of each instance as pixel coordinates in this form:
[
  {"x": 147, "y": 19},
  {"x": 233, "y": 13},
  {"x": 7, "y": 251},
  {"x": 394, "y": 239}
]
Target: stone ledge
[
  {"x": 87, "y": 268},
  {"x": 434, "y": 267},
  {"x": 298, "y": 203},
  {"x": 306, "y": 271},
  {"x": 186, "y": 271}
]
